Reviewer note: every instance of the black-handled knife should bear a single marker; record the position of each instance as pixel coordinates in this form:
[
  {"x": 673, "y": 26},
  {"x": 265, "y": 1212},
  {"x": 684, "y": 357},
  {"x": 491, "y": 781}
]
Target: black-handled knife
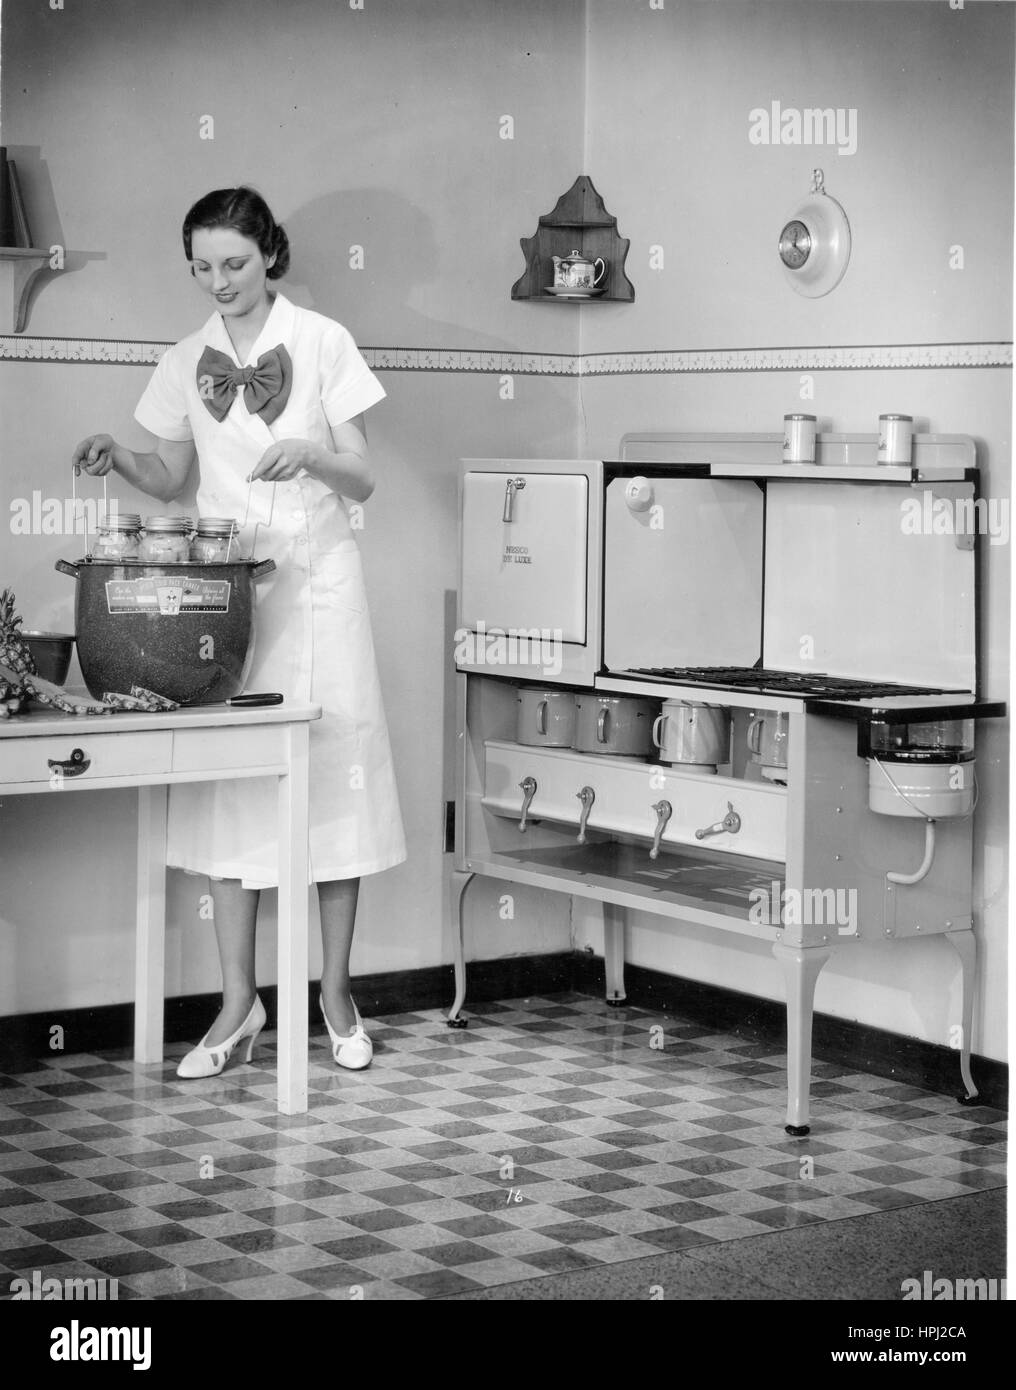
[{"x": 250, "y": 698}]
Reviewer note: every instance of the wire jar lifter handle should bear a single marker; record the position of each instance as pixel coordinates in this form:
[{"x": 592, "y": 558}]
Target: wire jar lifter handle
[
  {"x": 257, "y": 524},
  {"x": 75, "y": 499}
]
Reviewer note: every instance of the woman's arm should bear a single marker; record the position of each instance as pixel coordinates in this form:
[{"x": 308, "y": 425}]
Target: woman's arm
[
  {"x": 161, "y": 473},
  {"x": 345, "y": 468}
]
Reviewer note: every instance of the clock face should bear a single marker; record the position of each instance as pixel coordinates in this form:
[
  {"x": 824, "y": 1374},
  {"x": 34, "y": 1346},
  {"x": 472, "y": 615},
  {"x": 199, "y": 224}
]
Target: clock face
[{"x": 795, "y": 245}]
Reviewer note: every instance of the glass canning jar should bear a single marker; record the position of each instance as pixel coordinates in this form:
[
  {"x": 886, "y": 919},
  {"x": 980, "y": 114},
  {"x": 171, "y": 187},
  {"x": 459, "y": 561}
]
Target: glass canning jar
[
  {"x": 118, "y": 536},
  {"x": 166, "y": 540},
  {"x": 214, "y": 540}
]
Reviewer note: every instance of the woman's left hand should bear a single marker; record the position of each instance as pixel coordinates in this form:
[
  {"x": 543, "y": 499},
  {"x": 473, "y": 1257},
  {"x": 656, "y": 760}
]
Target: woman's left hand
[{"x": 285, "y": 460}]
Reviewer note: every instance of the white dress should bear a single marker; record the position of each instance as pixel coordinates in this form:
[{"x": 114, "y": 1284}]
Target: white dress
[{"x": 312, "y": 628}]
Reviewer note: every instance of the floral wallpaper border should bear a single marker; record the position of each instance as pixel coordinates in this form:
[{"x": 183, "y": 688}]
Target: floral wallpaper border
[{"x": 897, "y": 356}]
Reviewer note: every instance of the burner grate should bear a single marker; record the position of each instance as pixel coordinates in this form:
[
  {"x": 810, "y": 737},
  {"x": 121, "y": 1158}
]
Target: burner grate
[{"x": 819, "y": 685}]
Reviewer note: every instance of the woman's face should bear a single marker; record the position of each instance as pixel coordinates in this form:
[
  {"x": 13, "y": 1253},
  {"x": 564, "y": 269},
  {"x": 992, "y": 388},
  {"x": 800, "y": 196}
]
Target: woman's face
[{"x": 230, "y": 268}]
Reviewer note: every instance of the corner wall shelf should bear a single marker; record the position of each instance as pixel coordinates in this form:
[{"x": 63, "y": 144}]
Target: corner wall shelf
[
  {"x": 578, "y": 222},
  {"x": 18, "y": 268}
]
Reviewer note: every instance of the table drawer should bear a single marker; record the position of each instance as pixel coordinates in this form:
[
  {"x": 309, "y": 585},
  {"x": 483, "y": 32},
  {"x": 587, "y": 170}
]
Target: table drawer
[
  {"x": 626, "y": 792},
  {"x": 85, "y": 758},
  {"x": 223, "y": 750}
]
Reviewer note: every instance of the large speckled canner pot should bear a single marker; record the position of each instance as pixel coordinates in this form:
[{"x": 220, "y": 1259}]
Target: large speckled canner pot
[{"x": 183, "y": 631}]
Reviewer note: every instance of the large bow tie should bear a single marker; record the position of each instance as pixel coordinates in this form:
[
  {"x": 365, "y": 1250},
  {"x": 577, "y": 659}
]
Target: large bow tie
[{"x": 266, "y": 387}]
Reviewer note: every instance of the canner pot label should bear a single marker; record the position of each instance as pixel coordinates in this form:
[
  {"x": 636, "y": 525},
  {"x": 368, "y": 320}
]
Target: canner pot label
[{"x": 169, "y": 596}]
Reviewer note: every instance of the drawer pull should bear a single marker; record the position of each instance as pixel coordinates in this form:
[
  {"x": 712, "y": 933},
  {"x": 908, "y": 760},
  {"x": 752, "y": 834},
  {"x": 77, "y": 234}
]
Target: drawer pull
[
  {"x": 528, "y": 787},
  {"x": 731, "y": 823},
  {"x": 587, "y": 796},
  {"x": 664, "y": 811},
  {"x": 73, "y": 766}
]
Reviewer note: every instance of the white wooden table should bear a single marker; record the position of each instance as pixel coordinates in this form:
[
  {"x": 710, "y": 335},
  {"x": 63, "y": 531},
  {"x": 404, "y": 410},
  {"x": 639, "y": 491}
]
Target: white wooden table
[{"x": 43, "y": 752}]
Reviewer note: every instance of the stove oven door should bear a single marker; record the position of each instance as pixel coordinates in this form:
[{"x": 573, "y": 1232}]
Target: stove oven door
[
  {"x": 527, "y": 536},
  {"x": 682, "y": 572},
  {"x": 529, "y": 571}
]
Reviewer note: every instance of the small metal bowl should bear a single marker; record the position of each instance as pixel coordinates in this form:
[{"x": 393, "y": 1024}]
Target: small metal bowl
[{"x": 51, "y": 652}]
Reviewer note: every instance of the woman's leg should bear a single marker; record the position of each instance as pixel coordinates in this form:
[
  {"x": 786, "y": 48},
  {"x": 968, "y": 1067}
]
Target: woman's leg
[
  {"x": 337, "y": 900},
  {"x": 236, "y": 910}
]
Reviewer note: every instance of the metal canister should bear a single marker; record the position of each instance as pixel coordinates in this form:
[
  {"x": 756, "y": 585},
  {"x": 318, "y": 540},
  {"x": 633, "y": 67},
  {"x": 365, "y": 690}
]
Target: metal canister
[
  {"x": 799, "y": 438},
  {"x": 895, "y": 438},
  {"x": 213, "y": 540},
  {"x": 166, "y": 540}
]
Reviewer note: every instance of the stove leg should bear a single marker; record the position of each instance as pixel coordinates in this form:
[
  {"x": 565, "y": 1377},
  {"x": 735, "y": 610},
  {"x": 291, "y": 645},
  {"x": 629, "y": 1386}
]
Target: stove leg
[
  {"x": 613, "y": 952},
  {"x": 459, "y": 883},
  {"x": 801, "y": 966},
  {"x": 964, "y": 943}
]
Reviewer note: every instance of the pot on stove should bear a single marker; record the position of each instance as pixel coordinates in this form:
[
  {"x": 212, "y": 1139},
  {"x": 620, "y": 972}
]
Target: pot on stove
[
  {"x": 545, "y": 718},
  {"x": 183, "y": 631},
  {"x": 767, "y": 743},
  {"x": 692, "y": 734},
  {"x": 617, "y": 724}
]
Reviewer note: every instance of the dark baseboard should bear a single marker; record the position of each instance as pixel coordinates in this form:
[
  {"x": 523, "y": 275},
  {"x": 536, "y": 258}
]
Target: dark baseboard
[
  {"x": 910, "y": 1061},
  {"x": 27, "y": 1037}
]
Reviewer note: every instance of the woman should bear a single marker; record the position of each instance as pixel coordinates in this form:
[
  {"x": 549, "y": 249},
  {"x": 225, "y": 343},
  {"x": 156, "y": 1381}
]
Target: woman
[{"x": 274, "y": 393}]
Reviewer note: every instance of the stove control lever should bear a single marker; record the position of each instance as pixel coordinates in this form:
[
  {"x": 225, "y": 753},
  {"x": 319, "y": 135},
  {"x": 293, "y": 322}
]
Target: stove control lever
[
  {"x": 528, "y": 788},
  {"x": 731, "y": 823},
  {"x": 664, "y": 811},
  {"x": 587, "y": 796},
  {"x": 512, "y": 486}
]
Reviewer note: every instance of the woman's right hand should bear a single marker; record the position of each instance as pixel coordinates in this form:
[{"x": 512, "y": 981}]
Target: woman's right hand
[{"x": 96, "y": 455}]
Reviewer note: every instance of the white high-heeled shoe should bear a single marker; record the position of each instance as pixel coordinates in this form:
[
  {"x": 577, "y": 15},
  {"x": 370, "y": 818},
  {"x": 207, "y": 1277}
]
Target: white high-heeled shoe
[
  {"x": 354, "y": 1050},
  {"x": 209, "y": 1061}
]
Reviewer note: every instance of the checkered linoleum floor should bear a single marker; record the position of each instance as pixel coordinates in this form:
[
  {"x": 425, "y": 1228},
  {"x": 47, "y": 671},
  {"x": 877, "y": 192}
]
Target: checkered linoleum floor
[{"x": 401, "y": 1181}]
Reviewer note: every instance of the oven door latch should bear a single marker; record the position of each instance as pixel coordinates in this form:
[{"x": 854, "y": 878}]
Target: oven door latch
[
  {"x": 731, "y": 823},
  {"x": 512, "y": 486}
]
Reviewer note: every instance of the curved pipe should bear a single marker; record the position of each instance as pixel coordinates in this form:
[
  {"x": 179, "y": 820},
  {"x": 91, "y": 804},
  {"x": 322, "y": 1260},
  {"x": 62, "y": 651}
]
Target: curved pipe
[{"x": 929, "y": 854}]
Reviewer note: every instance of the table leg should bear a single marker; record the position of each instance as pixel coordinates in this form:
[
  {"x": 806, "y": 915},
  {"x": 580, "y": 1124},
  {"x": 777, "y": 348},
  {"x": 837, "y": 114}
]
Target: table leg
[
  {"x": 801, "y": 966},
  {"x": 150, "y": 948},
  {"x": 459, "y": 883},
  {"x": 293, "y": 913},
  {"x": 613, "y": 952},
  {"x": 964, "y": 943}
]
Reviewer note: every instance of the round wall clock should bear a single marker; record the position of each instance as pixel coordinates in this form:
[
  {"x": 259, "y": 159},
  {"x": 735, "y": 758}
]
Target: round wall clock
[{"x": 814, "y": 245}]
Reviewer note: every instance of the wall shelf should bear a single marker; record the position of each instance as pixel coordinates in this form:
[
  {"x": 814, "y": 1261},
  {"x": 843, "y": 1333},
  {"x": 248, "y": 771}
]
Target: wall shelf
[
  {"x": 578, "y": 222},
  {"x": 18, "y": 268}
]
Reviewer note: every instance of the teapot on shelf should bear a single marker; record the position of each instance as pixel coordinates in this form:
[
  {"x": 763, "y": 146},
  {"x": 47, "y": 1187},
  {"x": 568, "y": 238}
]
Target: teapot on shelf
[{"x": 577, "y": 272}]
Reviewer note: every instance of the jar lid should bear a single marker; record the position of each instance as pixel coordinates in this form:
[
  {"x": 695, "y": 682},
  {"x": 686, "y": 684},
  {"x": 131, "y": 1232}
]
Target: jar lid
[
  {"x": 217, "y": 526},
  {"x": 897, "y": 417},
  {"x": 800, "y": 417},
  {"x": 169, "y": 525},
  {"x": 121, "y": 521}
]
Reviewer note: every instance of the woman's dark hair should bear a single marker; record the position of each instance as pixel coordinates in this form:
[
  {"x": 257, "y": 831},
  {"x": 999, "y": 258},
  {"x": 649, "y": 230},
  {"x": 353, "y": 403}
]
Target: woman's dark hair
[{"x": 246, "y": 212}]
